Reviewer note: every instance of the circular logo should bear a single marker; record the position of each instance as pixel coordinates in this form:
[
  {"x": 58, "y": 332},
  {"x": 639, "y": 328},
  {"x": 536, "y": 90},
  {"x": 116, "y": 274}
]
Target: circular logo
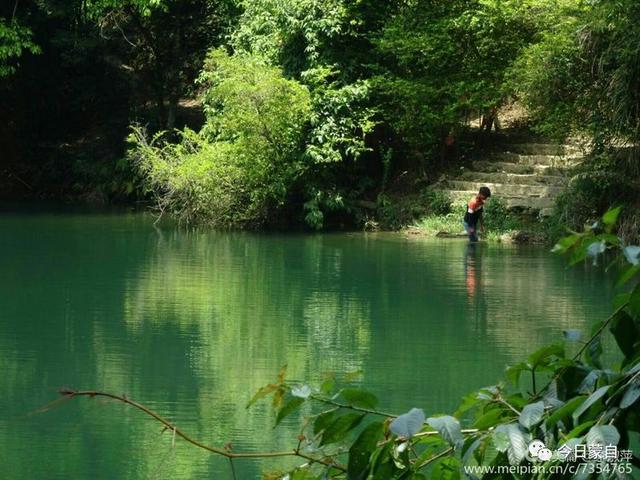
[
  {"x": 544, "y": 454},
  {"x": 535, "y": 447}
]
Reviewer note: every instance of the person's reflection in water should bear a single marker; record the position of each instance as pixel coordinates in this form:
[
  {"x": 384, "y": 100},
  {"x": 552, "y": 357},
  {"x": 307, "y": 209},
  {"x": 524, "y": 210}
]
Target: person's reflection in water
[
  {"x": 473, "y": 280},
  {"x": 472, "y": 270}
]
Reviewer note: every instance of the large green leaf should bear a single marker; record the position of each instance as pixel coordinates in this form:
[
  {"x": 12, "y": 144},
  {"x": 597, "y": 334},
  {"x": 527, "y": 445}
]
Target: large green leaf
[
  {"x": 408, "y": 424},
  {"x": 340, "y": 427},
  {"x": 515, "y": 371},
  {"x": 578, "y": 430},
  {"x": 531, "y": 415},
  {"x": 362, "y": 449},
  {"x": 469, "y": 449},
  {"x": 611, "y": 216},
  {"x": 288, "y": 408},
  {"x": 565, "y": 243},
  {"x": 544, "y": 355},
  {"x": 625, "y": 332},
  {"x": 449, "y": 428},
  {"x": 631, "y": 395},
  {"x": 603, "y": 435},
  {"x": 592, "y": 399},
  {"x": 359, "y": 398},
  {"x": 564, "y": 411},
  {"x": 490, "y": 419},
  {"x": 627, "y": 274},
  {"x": 634, "y": 301},
  {"x": 323, "y": 420},
  {"x": 382, "y": 465},
  {"x": 589, "y": 382},
  {"x": 515, "y": 440}
]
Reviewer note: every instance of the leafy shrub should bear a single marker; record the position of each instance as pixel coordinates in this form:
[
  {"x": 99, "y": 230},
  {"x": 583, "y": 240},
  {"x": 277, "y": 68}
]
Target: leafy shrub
[
  {"x": 15, "y": 39},
  {"x": 438, "y": 202},
  {"x": 548, "y": 77},
  {"x": 240, "y": 168},
  {"x": 320, "y": 202},
  {"x": 605, "y": 178},
  {"x": 498, "y": 217}
]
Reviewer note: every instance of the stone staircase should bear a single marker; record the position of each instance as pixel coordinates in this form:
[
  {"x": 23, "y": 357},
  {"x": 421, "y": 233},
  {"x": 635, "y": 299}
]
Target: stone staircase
[{"x": 526, "y": 176}]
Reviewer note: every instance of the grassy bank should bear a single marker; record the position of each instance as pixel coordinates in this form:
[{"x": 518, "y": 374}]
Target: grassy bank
[{"x": 431, "y": 213}]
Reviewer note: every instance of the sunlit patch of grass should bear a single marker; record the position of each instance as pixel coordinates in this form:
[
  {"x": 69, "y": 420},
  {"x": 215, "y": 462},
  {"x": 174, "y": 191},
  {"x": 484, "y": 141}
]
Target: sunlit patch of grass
[
  {"x": 500, "y": 224},
  {"x": 434, "y": 224}
]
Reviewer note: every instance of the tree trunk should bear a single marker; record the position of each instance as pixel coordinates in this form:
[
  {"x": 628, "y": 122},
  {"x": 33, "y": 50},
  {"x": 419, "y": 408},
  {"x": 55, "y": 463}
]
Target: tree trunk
[{"x": 171, "y": 114}]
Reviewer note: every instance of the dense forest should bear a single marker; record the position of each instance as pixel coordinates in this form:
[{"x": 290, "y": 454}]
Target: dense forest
[{"x": 317, "y": 112}]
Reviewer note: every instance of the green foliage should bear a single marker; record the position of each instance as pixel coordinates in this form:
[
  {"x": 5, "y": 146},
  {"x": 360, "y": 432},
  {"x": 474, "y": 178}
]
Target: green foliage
[
  {"x": 321, "y": 202},
  {"x": 387, "y": 87},
  {"x": 581, "y": 73},
  {"x": 239, "y": 170},
  {"x": 293, "y": 34},
  {"x": 341, "y": 117},
  {"x": 15, "y": 39},
  {"x": 561, "y": 400},
  {"x": 548, "y": 77},
  {"x": 253, "y": 106},
  {"x": 606, "y": 178},
  {"x": 444, "y": 61},
  {"x": 498, "y": 218},
  {"x": 438, "y": 201}
]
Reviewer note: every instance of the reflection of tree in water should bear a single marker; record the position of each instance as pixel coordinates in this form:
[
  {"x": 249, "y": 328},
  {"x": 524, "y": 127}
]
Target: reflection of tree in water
[
  {"x": 247, "y": 305},
  {"x": 193, "y": 323}
]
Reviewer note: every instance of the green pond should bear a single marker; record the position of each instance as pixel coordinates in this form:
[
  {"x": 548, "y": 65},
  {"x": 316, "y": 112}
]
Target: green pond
[{"x": 193, "y": 323}]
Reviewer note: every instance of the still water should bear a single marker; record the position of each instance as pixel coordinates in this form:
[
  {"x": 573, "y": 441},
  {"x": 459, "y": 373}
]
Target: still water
[{"x": 193, "y": 323}]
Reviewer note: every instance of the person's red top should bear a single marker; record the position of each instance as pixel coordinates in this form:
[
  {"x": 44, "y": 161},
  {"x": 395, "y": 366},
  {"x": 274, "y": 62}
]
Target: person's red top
[{"x": 475, "y": 203}]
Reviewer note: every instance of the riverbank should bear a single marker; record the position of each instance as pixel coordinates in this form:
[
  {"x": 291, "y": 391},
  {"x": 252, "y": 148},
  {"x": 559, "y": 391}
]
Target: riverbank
[{"x": 433, "y": 214}]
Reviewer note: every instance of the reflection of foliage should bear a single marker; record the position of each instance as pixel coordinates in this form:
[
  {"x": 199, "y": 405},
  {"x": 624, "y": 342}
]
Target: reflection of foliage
[
  {"x": 335, "y": 326},
  {"x": 564, "y": 400}
]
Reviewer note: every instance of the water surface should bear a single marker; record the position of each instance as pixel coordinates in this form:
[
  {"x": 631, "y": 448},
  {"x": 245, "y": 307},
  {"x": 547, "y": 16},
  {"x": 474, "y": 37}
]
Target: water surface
[{"x": 192, "y": 323}]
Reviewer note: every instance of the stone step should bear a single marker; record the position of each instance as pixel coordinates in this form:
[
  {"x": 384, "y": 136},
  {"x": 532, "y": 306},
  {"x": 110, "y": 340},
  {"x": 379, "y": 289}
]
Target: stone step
[
  {"x": 503, "y": 167},
  {"x": 541, "y": 149},
  {"x": 505, "y": 189},
  {"x": 533, "y": 203},
  {"x": 513, "y": 178},
  {"x": 508, "y": 167},
  {"x": 546, "y": 212},
  {"x": 553, "y": 170},
  {"x": 561, "y": 161}
]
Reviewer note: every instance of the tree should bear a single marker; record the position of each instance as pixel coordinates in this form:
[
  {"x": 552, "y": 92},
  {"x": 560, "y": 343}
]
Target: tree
[
  {"x": 239, "y": 170},
  {"x": 164, "y": 42},
  {"x": 15, "y": 39}
]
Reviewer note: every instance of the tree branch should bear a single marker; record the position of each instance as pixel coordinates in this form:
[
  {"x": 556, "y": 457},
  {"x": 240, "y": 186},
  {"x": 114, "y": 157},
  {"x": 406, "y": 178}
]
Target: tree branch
[
  {"x": 67, "y": 393},
  {"x": 577, "y": 356},
  {"x": 328, "y": 401}
]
